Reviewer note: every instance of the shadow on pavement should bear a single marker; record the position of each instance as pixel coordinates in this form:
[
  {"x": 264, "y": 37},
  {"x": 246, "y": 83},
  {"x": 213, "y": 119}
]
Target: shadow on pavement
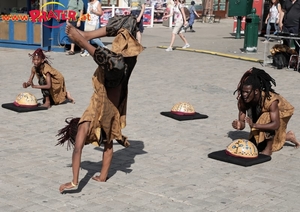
[{"x": 122, "y": 160}]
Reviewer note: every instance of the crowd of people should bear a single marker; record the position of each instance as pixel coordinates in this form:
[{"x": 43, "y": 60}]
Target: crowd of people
[
  {"x": 137, "y": 8},
  {"x": 282, "y": 16}
]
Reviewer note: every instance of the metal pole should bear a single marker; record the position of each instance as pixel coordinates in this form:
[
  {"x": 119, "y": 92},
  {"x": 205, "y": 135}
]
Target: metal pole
[{"x": 238, "y": 27}]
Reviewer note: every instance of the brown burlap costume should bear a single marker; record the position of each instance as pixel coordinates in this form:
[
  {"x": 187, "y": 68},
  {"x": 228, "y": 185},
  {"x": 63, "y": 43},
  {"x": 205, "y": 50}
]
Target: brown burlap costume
[
  {"x": 58, "y": 90},
  {"x": 285, "y": 113},
  {"x": 107, "y": 109},
  {"x": 101, "y": 112}
]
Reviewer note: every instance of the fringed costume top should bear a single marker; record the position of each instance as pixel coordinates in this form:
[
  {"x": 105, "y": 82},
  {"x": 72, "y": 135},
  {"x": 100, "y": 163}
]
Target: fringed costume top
[{"x": 58, "y": 87}]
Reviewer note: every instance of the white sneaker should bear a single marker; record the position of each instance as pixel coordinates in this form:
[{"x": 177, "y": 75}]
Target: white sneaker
[
  {"x": 85, "y": 54},
  {"x": 186, "y": 46},
  {"x": 169, "y": 49}
]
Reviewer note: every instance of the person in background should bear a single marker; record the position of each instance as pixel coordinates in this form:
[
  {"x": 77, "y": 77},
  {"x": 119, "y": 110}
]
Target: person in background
[
  {"x": 137, "y": 9},
  {"x": 193, "y": 13},
  {"x": 289, "y": 20},
  {"x": 77, "y": 6},
  {"x": 95, "y": 11},
  {"x": 180, "y": 20},
  {"x": 273, "y": 18}
]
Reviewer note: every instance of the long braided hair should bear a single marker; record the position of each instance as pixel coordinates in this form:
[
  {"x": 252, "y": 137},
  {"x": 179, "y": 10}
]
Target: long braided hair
[
  {"x": 258, "y": 79},
  {"x": 68, "y": 133}
]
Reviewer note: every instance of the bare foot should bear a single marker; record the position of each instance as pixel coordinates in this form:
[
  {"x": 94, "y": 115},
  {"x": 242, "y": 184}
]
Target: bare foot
[
  {"x": 73, "y": 33},
  {"x": 266, "y": 152},
  {"x": 70, "y": 98},
  {"x": 47, "y": 105},
  {"x": 67, "y": 187},
  {"x": 99, "y": 178},
  {"x": 290, "y": 136}
]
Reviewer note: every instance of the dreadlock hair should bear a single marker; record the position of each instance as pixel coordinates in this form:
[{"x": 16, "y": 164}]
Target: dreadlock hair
[
  {"x": 68, "y": 133},
  {"x": 258, "y": 79},
  {"x": 40, "y": 53}
]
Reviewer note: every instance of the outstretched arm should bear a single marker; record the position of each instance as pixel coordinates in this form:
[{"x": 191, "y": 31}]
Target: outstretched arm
[
  {"x": 76, "y": 157},
  {"x": 281, "y": 16},
  {"x": 99, "y": 10},
  {"x": 183, "y": 16},
  {"x": 138, "y": 19},
  {"x": 279, "y": 13},
  {"x": 267, "y": 18},
  {"x": 168, "y": 15}
]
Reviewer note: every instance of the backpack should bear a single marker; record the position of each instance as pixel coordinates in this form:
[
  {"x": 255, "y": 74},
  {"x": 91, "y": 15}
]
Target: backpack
[
  {"x": 187, "y": 13},
  {"x": 293, "y": 62},
  {"x": 280, "y": 60}
]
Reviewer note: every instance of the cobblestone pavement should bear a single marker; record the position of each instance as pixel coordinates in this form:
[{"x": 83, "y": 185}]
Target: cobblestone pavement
[{"x": 166, "y": 168}]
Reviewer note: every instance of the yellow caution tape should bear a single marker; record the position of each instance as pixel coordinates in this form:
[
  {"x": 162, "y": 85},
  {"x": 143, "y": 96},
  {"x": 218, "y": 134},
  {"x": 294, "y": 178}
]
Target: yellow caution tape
[{"x": 218, "y": 54}]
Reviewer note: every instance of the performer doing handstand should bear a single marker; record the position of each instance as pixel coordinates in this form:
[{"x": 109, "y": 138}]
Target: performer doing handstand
[{"x": 105, "y": 116}]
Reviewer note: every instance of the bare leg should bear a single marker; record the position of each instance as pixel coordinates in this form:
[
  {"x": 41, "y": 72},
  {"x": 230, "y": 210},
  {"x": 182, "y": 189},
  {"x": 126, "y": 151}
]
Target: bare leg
[
  {"x": 290, "y": 136},
  {"x": 106, "y": 161},
  {"x": 72, "y": 47},
  {"x": 47, "y": 103},
  {"x": 114, "y": 96},
  {"x": 98, "y": 33},
  {"x": 76, "y": 157},
  {"x": 172, "y": 40},
  {"x": 268, "y": 149},
  {"x": 139, "y": 36},
  {"x": 70, "y": 98},
  {"x": 183, "y": 38}
]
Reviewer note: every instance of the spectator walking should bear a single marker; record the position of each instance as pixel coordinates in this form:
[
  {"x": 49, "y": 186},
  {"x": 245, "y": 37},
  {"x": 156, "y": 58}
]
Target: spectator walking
[
  {"x": 193, "y": 14},
  {"x": 95, "y": 11},
  {"x": 180, "y": 20},
  {"x": 137, "y": 9},
  {"x": 273, "y": 18},
  {"x": 77, "y": 6}
]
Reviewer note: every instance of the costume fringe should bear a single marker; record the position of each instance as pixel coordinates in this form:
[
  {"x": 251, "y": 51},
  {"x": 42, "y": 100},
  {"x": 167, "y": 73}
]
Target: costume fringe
[
  {"x": 124, "y": 142},
  {"x": 68, "y": 133}
]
